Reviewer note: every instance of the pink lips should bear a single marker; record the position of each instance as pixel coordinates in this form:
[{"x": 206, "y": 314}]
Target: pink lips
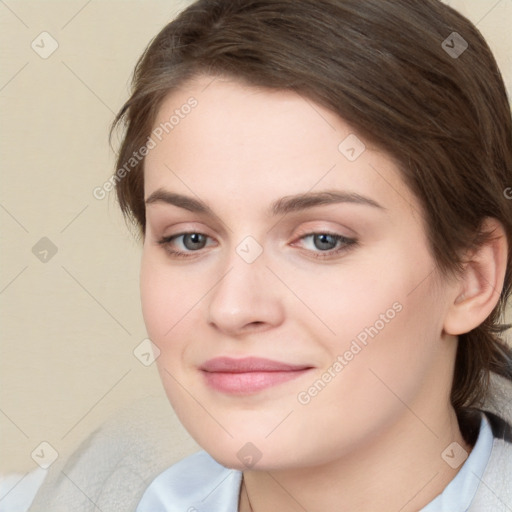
[{"x": 248, "y": 375}]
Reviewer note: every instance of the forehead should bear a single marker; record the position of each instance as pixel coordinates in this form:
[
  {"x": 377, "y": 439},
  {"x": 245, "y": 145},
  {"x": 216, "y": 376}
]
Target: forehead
[{"x": 240, "y": 141}]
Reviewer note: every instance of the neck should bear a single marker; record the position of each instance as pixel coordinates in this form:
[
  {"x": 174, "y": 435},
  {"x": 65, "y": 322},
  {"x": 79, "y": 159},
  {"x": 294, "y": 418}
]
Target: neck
[{"x": 401, "y": 467}]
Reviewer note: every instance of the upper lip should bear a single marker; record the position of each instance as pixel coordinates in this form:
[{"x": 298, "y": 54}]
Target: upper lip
[{"x": 249, "y": 364}]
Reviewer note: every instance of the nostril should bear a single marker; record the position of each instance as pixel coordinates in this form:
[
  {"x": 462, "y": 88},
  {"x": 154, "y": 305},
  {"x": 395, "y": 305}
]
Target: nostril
[{"x": 256, "y": 324}]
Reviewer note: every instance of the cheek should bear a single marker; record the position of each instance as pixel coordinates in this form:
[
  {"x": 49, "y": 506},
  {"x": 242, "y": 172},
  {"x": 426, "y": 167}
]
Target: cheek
[
  {"x": 165, "y": 299},
  {"x": 384, "y": 320},
  {"x": 172, "y": 300},
  {"x": 154, "y": 300},
  {"x": 401, "y": 351},
  {"x": 338, "y": 304},
  {"x": 375, "y": 364}
]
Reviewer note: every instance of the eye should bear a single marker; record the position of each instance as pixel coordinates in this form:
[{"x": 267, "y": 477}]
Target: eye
[
  {"x": 320, "y": 245},
  {"x": 190, "y": 242},
  {"x": 326, "y": 245}
]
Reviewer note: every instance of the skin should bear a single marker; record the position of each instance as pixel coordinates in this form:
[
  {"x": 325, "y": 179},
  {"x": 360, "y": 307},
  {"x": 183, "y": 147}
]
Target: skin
[{"x": 376, "y": 432}]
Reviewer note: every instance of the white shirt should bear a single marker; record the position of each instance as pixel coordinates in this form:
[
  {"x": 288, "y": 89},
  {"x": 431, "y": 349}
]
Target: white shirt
[
  {"x": 200, "y": 484},
  {"x": 17, "y": 491}
]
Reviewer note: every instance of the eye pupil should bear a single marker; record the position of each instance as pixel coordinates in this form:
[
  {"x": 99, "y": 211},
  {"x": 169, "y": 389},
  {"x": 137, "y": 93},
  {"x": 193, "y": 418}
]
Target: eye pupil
[
  {"x": 196, "y": 241},
  {"x": 325, "y": 241}
]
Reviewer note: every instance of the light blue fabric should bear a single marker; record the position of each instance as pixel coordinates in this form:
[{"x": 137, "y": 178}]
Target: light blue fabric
[
  {"x": 460, "y": 492},
  {"x": 199, "y": 484},
  {"x": 17, "y": 491},
  {"x": 195, "y": 484}
]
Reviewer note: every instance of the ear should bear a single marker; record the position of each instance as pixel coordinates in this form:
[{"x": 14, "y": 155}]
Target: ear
[{"x": 478, "y": 289}]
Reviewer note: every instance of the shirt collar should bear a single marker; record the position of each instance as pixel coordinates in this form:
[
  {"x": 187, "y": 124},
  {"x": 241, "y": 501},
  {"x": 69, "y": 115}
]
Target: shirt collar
[
  {"x": 199, "y": 484},
  {"x": 459, "y": 493}
]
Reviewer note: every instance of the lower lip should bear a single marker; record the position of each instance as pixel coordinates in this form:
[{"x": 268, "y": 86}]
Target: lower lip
[{"x": 249, "y": 382}]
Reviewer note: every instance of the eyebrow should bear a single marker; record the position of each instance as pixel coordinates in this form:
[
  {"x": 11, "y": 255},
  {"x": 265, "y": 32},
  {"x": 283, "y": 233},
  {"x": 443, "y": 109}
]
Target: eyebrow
[{"x": 282, "y": 206}]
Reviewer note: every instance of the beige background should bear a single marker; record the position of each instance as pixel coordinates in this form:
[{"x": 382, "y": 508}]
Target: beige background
[{"x": 70, "y": 324}]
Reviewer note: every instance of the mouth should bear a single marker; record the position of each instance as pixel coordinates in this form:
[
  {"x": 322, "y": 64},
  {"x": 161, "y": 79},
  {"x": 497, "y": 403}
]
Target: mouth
[{"x": 248, "y": 375}]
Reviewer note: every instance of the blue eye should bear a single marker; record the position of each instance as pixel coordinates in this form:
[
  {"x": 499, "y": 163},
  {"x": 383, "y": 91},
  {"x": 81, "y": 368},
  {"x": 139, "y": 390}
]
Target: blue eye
[
  {"x": 321, "y": 245},
  {"x": 192, "y": 242},
  {"x": 324, "y": 241},
  {"x": 326, "y": 245}
]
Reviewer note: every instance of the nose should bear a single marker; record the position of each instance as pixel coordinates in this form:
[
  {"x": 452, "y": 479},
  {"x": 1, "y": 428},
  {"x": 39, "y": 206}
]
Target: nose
[{"x": 247, "y": 299}]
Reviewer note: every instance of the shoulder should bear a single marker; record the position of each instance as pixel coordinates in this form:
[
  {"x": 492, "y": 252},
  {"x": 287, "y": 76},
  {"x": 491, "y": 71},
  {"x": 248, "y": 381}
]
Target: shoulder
[
  {"x": 112, "y": 468},
  {"x": 501, "y": 429},
  {"x": 197, "y": 482},
  {"x": 495, "y": 489}
]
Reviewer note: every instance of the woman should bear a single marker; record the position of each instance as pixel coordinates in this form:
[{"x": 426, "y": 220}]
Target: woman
[{"x": 321, "y": 189}]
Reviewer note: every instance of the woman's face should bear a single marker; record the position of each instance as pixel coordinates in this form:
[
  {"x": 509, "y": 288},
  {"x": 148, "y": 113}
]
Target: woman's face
[{"x": 303, "y": 317}]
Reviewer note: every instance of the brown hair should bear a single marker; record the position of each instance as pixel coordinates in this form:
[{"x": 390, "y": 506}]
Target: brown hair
[{"x": 397, "y": 73}]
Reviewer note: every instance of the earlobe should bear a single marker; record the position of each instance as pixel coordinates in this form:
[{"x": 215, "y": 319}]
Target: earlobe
[{"x": 479, "y": 287}]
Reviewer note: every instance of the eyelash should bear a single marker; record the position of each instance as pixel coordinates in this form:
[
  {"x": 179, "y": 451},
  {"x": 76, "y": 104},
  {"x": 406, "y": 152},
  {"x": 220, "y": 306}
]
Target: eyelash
[{"x": 348, "y": 243}]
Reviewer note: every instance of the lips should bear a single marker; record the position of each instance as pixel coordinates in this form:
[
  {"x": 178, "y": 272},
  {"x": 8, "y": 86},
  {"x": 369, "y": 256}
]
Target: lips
[{"x": 248, "y": 375}]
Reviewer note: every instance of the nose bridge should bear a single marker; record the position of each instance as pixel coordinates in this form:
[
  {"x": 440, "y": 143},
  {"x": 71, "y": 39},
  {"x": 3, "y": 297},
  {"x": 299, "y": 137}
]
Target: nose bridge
[{"x": 244, "y": 295}]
